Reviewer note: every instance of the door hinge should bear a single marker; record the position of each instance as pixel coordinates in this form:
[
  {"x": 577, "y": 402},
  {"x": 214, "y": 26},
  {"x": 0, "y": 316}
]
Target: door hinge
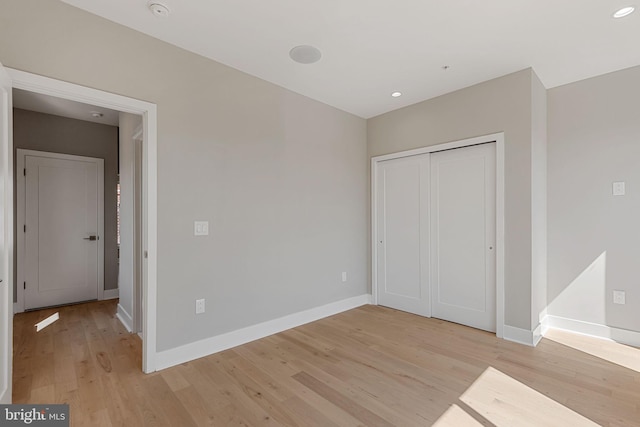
[
  {"x": 24, "y": 171},
  {"x": 24, "y": 285},
  {"x": 25, "y": 228}
]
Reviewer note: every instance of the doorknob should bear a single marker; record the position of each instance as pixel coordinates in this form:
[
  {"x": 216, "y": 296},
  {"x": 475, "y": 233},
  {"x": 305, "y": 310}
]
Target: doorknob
[{"x": 92, "y": 238}]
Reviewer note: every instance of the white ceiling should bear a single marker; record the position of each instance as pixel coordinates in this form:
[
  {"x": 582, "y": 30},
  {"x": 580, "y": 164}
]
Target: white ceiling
[
  {"x": 40, "y": 103},
  {"x": 371, "y": 48}
]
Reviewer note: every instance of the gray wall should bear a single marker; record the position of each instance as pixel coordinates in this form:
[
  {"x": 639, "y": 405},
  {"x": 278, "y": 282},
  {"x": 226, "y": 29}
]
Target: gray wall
[
  {"x": 499, "y": 105},
  {"x": 594, "y": 237},
  {"x": 45, "y": 132},
  {"x": 282, "y": 179}
]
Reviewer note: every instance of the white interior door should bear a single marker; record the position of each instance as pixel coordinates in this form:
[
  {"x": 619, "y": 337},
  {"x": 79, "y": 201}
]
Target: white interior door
[
  {"x": 463, "y": 231},
  {"x": 6, "y": 218},
  {"x": 63, "y": 229},
  {"x": 402, "y": 234}
]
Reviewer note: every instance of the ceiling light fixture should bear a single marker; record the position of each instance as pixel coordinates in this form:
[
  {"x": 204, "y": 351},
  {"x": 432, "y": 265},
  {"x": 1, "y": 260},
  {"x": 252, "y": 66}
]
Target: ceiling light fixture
[
  {"x": 159, "y": 10},
  {"x": 624, "y": 12},
  {"x": 396, "y": 94},
  {"x": 305, "y": 54},
  {"x": 96, "y": 114}
]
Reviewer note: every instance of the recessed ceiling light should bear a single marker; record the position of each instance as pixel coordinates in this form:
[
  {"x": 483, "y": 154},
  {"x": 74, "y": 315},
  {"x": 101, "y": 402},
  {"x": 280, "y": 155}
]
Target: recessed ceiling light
[
  {"x": 624, "y": 12},
  {"x": 159, "y": 10},
  {"x": 396, "y": 94},
  {"x": 96, "y": 114},
  {"x": 305, "y": 54}
]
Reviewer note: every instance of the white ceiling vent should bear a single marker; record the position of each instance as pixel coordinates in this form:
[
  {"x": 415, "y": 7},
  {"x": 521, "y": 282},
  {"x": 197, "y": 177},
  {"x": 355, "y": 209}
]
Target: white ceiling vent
[{"x": 305, "y": 54}]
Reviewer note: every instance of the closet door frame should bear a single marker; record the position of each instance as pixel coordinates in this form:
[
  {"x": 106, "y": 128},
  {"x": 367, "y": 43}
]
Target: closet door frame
[{"x": 498, "y": 138}]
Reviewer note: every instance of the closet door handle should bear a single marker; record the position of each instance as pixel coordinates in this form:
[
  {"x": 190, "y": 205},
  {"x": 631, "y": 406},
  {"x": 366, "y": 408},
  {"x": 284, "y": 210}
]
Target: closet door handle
[{"x": 92, "y": 238}]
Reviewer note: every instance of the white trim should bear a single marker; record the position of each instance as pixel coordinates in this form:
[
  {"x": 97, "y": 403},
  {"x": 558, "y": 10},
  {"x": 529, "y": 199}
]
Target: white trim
[
  {"x": 623, "y": 336},
  {"x": 137, "y": 132},
  {"x": 195, "y": 350},
  {"x": 21, "y": 155},
  {"x": 500, "y": 218},
  {"x": 500, "y": 239},
  {"x": 544, "y": 323},
  {"x": 520, "y": 336},
  {"x": 111, "y": 294},
  {"x": 374, "y": 231},
  {"x": 6, "y": 261},
  {"x": 537, "y": 335},
  {"x": 125, "y": 318},
  {"x": 44, "y": 85}
]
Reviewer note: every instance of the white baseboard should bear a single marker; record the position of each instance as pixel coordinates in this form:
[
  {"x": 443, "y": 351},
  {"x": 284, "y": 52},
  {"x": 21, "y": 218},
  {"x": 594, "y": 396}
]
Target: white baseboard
[
  {"x": 622, "y": 336},
  {"x": 537, "y": 335},
  {"x": 522, "y": 336},
  {"x": 125, "y": 318},
  {"x": 108, "y": 294},
  {"x": 185, "y": 353},
  {"x": 111, "y": 294}
]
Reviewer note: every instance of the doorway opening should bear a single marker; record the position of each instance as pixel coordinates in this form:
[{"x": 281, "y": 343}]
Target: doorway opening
[{"x": 140, "y": 119}]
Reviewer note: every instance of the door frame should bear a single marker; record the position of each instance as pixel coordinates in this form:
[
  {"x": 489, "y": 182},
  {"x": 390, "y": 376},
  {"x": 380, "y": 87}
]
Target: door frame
[
  {"x": 48, "y": 86},
  {"x": 21, "y": 154},
  {"x": 138, "y": 253},
  {"x": 498, "y": 138},
  {"x": 6, "y": 261}
]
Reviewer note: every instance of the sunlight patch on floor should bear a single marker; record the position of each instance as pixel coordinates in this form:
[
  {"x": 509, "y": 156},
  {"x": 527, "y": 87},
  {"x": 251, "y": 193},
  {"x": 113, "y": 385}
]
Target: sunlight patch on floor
[
  {"x": 456, "y": 417},
  {"x": 611, "y": 351},
  {"x": 506, "y": 402},
  {"x": 46, "y": 322}
]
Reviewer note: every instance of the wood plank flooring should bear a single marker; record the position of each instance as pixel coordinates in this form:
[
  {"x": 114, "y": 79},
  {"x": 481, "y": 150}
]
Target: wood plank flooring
[{"x": 371, "y": 366}]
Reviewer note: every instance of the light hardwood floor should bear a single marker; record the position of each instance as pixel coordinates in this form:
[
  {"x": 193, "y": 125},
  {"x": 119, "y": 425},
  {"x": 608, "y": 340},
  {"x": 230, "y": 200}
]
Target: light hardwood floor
[{"x": 371, "y": 366}]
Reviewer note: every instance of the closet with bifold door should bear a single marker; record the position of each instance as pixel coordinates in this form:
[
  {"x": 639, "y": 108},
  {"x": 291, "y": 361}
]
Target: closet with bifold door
[{"x": 435, "y": 234}]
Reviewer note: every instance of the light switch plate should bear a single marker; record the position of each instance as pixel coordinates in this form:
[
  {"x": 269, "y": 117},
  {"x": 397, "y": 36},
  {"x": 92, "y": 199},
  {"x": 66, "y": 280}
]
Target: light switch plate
[
  {"x": 344, "y": 276},
  {"x": 201, "y": 228},
  {"x": 199, "y": 306},
  {"x": 619, "y": 297},
  {"x": 618, "y": 188}
]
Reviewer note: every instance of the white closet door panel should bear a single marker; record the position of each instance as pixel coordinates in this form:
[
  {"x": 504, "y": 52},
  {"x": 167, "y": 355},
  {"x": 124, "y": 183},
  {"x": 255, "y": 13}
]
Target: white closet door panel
[
  {"x": 463, "y": 235},
  {"x": 402, "y": 234}
]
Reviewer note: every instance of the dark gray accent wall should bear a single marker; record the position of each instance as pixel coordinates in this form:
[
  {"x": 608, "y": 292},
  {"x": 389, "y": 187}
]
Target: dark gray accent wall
[{"x": 54, "y": 134}]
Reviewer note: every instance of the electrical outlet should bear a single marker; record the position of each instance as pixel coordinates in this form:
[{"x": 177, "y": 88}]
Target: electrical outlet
[
  {"x": 619, "y": 297},
  {"x": 618, "y": 188},
  {"x": 344, "y": 276},
  {"x": 201, "y": 228},
  {"x": 200, "y": 306}
]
